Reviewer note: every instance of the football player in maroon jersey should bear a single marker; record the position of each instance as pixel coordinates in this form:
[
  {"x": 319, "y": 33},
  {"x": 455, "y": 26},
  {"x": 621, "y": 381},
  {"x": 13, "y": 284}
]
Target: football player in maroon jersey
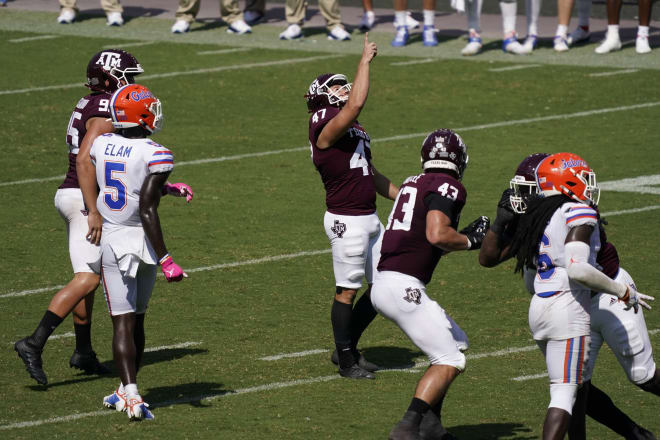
[
  {"x": 342, "y": 155},
  {"x": 422, "y": 227}
]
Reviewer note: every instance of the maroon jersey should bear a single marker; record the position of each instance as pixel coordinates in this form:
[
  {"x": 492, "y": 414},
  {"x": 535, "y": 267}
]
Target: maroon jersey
[
  {"x": 91, "y": 106},
  {"x": 405, "y": 248},
  {"x": 345, "y": 167}
]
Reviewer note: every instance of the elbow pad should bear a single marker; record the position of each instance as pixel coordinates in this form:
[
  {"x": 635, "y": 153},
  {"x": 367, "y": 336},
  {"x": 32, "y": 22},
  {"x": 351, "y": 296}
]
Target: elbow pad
[{"x": 578, "y": 268}]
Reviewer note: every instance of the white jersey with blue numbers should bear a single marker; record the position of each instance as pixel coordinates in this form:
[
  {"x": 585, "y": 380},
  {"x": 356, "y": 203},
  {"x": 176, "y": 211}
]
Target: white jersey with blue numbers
[
  {"x": 122, "y": 165},
  {"x": 560, "y": 307}
]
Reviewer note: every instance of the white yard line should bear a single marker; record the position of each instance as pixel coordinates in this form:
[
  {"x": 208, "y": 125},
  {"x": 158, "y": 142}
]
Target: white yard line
[
  {"x": 614, "y": 72},
  {"x": 223, "y": 51},
  {"x": 530, "y": 377},
  {"x": 27, "y": 39},
  {"x": 515, "y": 67},
  {"x": 173, "y": 347},
  {"x": 384, "y": 139},
  {"x": 292, "y": 355},
  {"x": 410, "y": 63},
  {"x": 183, "y": 73},
  {"x": 640, "y": 185},
  {"x": 630, "y": 211},
  {"x": 123, "y": 45}
]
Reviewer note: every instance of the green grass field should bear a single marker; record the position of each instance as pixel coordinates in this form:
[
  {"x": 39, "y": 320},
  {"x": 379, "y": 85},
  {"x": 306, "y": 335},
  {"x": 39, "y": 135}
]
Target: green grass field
[{"x": 237, "y": 124}]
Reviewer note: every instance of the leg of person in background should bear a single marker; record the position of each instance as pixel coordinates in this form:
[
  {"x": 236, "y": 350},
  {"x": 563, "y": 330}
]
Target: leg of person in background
[
  {"x": 254, "y": 11},
  {"x": 429, "y": 34},
  {"x": 369, "y": 17},
  {"x": 68, "y": 11},
  {"x": 233, "y": 16},
  {"x": 564, "y": 8},
  {"x": 185, "y": 14},
  {"x": 612, "y": 40},
  {"x": 294, "y": 11},
  {"x": 474, "y": 28},
  {"x": 113, "y": 11},
  {"x": 330, "y": 11},
  {"x": 400, "y": 14},
  {"x": 532, "y": 11},
  {"x": 510, "y": 42},
  {"x": 642, "y": 41},
  {"x": 581, "y": 33}
]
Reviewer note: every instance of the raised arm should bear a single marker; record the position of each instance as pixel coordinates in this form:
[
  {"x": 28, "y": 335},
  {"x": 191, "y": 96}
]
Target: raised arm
[{"x": 356, "y": 100}]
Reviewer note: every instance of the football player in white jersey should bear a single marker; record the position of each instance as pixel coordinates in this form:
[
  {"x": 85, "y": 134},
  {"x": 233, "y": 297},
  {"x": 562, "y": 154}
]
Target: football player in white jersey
[
  {"x": 131, "y": 171},
  {"x": 558, "y": 235},
  {"x": 495, "y": 250}
]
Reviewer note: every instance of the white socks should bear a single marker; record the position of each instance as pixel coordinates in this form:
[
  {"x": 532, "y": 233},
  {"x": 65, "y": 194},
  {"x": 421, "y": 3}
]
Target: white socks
[
  {"x": 508, "y": 17},
  {"x": 429, "y": 17}
]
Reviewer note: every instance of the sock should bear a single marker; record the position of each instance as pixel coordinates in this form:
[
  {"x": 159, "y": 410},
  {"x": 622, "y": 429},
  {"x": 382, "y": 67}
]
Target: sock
[
  {"x": 341, "y": 315},
  {"x": 508, "y": 17},
  {"x": 429, "y": 17},
  {"x": 474, "y": 15},
  {"x": 418, "y": 406},
  {"x": 121, "y": 388},
  {"x": 532, "y": 11},
  {"x": 131, "y": 390},
  {"x": 400, "y": 18},
  {"x": 601, "y": 408},
  {"x": 643, "y": 31},
  {"x": 612, "y": 31},
  {"x": 561, "y": 30},
  {"x": 363, "y": 314},
  {"x": 83, "y": 337},
  {"x": 46, "y": 327},
  {"x": 584, "y": 12}
]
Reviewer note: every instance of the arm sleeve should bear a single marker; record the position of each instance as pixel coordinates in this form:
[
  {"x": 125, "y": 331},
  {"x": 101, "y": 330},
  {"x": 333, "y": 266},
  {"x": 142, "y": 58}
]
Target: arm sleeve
[
  {"x": 577, "y": 255},
  {"x": 440, "y": 203},
  {"x": 161, "y": 161}
]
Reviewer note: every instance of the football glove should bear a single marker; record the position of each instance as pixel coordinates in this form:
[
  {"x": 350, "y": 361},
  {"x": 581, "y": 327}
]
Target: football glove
[
  {"x": 171, "y": 270},
  {"x": 179, "y": 190},
  {"x": 505, "y": 212},
  {"x": 634, "y": 299},
  {"x": 476, "y": 231}
]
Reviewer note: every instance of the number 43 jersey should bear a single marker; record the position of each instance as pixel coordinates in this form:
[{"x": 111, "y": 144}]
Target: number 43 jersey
[
  {"x": 405, "y": 248},
  {"x": 122, "y": 165},
  {"x": 345, "y": 167}
]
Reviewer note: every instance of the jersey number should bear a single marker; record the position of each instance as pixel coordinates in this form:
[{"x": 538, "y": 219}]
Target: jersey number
[
  {"x": 115, "y": 190},
  {"x": 545, "y": 266},
  {"x": 449, "y": 191},
  {"x": 359, "y": 160},
  {"x": 73, "y": 131},
  {"x": 315, "y": 118},
  {"x": 407, "y": 208}
]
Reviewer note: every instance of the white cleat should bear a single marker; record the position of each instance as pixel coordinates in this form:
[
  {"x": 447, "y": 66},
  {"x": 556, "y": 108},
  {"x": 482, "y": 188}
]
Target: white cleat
[
  {"x": 338, "y": 33},
  {"x": 180, "y": 27},
  {"x": 138, "y": 409},
  {"x": 115, "y": 19},
  {"x": 530, "y": 43},
  {"x": 473, "y": 47},
  {"x": 115, "y": 401},
  {"x": 293, "y": 32},
  {"x": 609, "y": 44},
  {"x": 642, "y": 44},
  {"x": 67, "y": 16},
  {"x": 239, "y": 27},
  {"x": 560, "y": 44},
  {"x": 512, "y": 45},
  {"x": 368, "y": 20},
  {"x": 579, "y": 35},
  {"x": 410, "y": 23}
]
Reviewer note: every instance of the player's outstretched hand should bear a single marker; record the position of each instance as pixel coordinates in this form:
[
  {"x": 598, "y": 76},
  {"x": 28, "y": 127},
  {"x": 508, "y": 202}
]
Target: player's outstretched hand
[
  {"x": 95, "y": 225},
  {"x": 171, "y": 270},
  {"x": 634, "y": 299},
  {"x": 179, "y": 190},
  {"x": 370, "y": 49},
  {"x": 476, "y": 231},
  {"x": 505, "y": 212}
]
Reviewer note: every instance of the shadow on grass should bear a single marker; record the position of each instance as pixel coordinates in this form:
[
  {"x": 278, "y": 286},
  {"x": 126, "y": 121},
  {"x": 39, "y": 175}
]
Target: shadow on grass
[
  {"x": 492, "y": 431},
  {"x": 192, "y": 394},
  {"x": 391, "y": 357}
]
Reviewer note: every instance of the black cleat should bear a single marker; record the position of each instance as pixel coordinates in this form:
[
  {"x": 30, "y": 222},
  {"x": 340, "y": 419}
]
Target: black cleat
[
  {"x": 355, "y": 372},
  {"x": 640, "y": 433},
  {"x": 408, "y": 428},
  {"x": 361, "y": 361},
  {"x": 31, "y": 357},
  {"x": 88, "y": 362}
]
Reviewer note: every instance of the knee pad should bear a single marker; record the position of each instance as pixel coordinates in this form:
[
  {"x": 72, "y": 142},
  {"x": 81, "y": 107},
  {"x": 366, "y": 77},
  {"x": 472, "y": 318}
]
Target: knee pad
[
  {"x": 562, "y": 396},
  {"x": 458, "y": 362}
]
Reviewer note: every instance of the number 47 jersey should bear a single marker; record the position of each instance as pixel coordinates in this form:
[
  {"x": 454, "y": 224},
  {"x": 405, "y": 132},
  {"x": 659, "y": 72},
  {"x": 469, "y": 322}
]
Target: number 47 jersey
[{"x": 122, "y": 165}]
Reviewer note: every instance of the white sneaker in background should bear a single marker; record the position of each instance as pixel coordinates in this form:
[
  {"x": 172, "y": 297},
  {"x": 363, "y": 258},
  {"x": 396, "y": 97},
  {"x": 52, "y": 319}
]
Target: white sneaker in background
[
  {"x": 292, "y": 32},
  {"x": 239, "y": 27},
  {"x": 115, "y": 19},
  {"x": 67, "y": 16},
  {"x": 180, "y": 27},
  {"x": 610, "y": 43},
  {"x": 642, "y": 44},
  {"x": 579, "y": 35},
  {"x": 560, "y": 44},
  {"x": 368, "y": 20},
  {"x": 338, "y": 33}
]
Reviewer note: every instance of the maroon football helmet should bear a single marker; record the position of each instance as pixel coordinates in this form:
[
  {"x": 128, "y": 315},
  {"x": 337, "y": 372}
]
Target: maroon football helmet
[
  {"x": 444, "y": 149},
  {"x": 319, "y": 94},
  {"x": 523, "y": 183},
  {"x": 113, "y": 65}
]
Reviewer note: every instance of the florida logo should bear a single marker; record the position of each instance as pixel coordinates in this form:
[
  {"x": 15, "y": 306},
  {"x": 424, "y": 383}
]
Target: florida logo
[
  {"x": 339, "y": 228},
  {"x": 413, "y": 295}
]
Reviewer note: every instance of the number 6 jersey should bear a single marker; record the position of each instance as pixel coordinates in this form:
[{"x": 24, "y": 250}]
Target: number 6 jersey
[
  {"x": 122, "y": 164},
  {"x": 345, "y": 167}
]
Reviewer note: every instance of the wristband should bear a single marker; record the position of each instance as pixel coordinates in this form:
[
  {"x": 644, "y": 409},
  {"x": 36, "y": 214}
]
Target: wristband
[
  {"x": 164, "y": 259},
  {"x": 469, "y": 243}
]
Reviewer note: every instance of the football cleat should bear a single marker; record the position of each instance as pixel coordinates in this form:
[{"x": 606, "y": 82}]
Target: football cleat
[
  {"x": 367, "y": 22},
  {"x": 239, "y": 27},
  {"x": 67, "y": 16},
  {"x": 356, "y": 372},
  {"x": 115, "y": 19},
  {"x": 530, "y": 43},
  {"x": 401, "y": 37},
  {"x": 180, "y": 27},
  {"x": 362, "y": 362},
  {"x": 429, "y": 36},
  {"x": 473, "y": 47},
  {"x": 252, "y": 17},
  {"x": 88, "y": 362},
  {"x": 407, "y": 428},
  {"x": 431, "y": 428},
  {"x": 642, "y": 44},
  {"x": 138, "y": 409},
  {"x": 116, "y": 401},
  {"x": 31, "y": 357},
  {"x": 581, "y": 34},
  {"x": 338, "y": 33},
  {"x": 559, "y": 43},
  {"x": 293, "y": 32},
  {"x": 512, "y": 45},
  {"x": 609, "y": 44}
]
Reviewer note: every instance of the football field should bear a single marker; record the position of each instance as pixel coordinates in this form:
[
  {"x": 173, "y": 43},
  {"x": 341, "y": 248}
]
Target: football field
[{"x": 240, "y": 349}]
